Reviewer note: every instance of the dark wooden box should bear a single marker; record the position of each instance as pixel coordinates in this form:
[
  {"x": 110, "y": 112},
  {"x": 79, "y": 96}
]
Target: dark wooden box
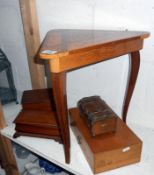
[
  {"x": 37, "y": 124},
  {"x": 39, "y": 99},
  {"x": 107, "y": 151},
  {"x": 98, "y": 116}
]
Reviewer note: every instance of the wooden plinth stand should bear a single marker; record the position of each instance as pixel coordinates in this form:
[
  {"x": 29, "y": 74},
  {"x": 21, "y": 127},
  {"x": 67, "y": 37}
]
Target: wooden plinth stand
[
  {"x": 37, "y": 124},
  {"x": 38, "y": 117}
]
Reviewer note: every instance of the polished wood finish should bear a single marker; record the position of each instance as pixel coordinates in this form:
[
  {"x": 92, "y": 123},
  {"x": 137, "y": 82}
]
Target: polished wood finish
[
  {"x": 134, "y": 68},
  {"x": 59, "y": 91},
  {"x": 102, "y": 127},
  {"x": 32, "y": 39},
  {"x": 38, "y": 117},
  {"x": 37, "y": 123},
  {"x": 39, "y": 99},
  {"x": 77, "y": 48},
  {"x": 98, "y": 116},
  {"x": 7, "y": 158},
  {"x": 107, "y": 151},
  {"x": 72, "y": 49}
]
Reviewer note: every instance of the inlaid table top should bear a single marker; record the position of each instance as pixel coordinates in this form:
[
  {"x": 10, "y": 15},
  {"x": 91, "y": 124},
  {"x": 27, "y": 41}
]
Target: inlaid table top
[{"x": 83, "y": 47}]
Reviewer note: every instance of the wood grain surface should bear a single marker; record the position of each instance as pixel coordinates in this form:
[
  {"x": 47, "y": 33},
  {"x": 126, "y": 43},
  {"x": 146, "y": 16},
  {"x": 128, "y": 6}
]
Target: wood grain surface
[{"x": 77, "y": 48}]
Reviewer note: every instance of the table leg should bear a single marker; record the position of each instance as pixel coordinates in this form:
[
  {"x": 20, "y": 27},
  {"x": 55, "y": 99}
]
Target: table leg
[
  {"x": 59, "y": 91},
  {"x": 134, "y": 68}
]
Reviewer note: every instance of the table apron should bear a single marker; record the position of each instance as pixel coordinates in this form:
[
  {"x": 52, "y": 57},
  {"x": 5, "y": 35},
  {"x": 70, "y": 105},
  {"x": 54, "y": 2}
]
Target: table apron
[{"x": 97, "y": 54}]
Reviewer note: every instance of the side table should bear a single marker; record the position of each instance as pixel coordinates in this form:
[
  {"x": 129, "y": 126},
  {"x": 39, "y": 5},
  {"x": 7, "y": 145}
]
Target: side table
[{"x": 71, "y": 49}]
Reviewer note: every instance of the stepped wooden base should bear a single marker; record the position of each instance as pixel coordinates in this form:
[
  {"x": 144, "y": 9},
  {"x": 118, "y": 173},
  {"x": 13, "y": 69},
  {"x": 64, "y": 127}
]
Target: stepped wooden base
[
  {"x": 37, "y": 124},
  {"x": 106, "y": 151},
  {"x": 18, "y": 134}
]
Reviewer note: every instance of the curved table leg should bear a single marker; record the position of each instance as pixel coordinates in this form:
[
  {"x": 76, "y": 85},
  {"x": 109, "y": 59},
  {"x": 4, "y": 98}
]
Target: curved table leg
[
  {"x": 134, "y": 68},
  {"x": 59, "y": 91}
]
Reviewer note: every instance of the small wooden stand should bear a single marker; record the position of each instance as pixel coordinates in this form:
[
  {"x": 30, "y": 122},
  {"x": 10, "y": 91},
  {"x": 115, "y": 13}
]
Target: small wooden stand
[
  {"x": 38, "y": 117},
  {"x": 37, "y": 124}
]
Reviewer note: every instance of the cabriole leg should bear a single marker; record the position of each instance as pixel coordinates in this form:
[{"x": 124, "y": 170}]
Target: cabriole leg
[{"x": 134, "y": 68}]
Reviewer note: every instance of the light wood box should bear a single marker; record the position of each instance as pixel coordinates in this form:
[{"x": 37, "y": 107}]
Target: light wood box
[{"x": 107, "y": 151}]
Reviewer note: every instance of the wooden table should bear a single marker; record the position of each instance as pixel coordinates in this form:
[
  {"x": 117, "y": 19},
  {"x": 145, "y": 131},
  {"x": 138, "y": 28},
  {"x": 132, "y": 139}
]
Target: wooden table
[{"x": 71, "y": 49}]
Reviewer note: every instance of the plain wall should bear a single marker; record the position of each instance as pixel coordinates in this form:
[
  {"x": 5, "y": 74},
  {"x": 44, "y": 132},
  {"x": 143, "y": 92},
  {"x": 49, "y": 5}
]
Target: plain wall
[{"x": 13, "y": 44}]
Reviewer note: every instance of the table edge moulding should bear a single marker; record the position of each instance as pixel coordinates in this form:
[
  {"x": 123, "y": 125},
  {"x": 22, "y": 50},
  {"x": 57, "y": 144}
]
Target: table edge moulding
[{"x": 68, "y": 49}]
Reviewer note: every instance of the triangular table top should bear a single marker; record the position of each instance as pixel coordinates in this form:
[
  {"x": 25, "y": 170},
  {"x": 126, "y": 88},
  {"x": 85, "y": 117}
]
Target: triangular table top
[{"x": 70, "y": 43}]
